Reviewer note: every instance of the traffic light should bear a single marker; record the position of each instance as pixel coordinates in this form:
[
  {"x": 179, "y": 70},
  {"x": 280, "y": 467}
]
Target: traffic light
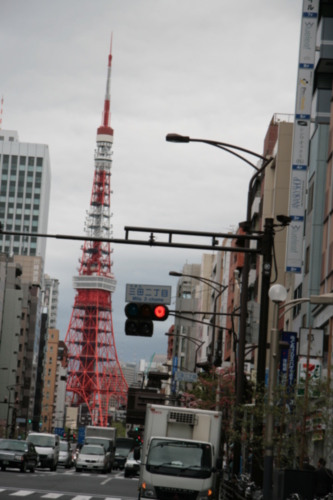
[{"x": 141, "y": 317}]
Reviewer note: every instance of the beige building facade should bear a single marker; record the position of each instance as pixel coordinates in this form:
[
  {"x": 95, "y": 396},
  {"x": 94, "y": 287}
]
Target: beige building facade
[{"x": 50, "y": 377}]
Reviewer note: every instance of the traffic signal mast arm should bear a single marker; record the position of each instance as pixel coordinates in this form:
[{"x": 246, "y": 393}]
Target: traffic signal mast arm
[{"x": 215, "y": 237}]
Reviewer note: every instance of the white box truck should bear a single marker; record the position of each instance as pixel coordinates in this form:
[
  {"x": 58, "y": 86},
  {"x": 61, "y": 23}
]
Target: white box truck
[
  {"x": 180, "y": 457},
  {"x": 105, "y": 436}
]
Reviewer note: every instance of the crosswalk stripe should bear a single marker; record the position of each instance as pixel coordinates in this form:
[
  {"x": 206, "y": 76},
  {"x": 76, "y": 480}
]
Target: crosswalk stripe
[
  {"x": 53, "y": 495},
  {"x": 21, "y": 493},
  {"x": 112, "y": 498},
  {"x": 81, "y": 497}
]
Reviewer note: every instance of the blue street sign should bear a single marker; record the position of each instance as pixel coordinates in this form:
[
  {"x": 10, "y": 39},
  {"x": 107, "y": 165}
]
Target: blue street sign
[
  {"x": 81, "y": 435},
  {"x": 59, "y": 431}
]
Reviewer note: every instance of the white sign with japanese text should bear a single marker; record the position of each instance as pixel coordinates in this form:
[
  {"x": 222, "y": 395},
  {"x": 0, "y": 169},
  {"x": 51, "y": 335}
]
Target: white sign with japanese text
[{"x": 148, "y": 294}]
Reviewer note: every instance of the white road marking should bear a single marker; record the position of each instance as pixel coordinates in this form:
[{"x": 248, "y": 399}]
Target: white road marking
[
  {"x": 106, "y": 480},
  {"x": 81, "y": 497},
  {"x": 21, "y": 493},
  {"x": 52, "y": 495}
]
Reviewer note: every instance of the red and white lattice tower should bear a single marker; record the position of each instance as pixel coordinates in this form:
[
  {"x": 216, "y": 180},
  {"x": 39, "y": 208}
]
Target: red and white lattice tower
[{"x": 94, "y": 376}]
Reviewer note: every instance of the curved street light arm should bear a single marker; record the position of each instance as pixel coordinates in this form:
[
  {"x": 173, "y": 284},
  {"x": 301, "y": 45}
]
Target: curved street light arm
[
  {"x": 207, "y": 281},
  {"x": 237, "y": 155},
  {"x": 218, "y": 144}
]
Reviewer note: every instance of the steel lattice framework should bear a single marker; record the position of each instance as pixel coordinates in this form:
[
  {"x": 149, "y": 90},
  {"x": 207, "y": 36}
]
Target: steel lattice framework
[{"x": 94, "y": 376}]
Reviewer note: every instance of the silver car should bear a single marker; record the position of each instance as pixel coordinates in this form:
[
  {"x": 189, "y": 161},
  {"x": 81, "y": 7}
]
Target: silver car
[
  {"x": 65, "y": 454},
  {"x": 132, "y": 466},
  {"x": 93, "y": 457}
]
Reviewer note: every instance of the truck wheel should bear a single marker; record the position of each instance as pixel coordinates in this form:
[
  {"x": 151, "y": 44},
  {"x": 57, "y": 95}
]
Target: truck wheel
[
  {"x": 126, "y": 473},
  {"x": 53, "y": 468},
  {"x": 3, "y": 468},
  {"x": 23, "y": 467}
]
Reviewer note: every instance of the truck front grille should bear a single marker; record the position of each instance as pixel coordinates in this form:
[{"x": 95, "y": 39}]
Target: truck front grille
[{"x": 164, "y": 493}]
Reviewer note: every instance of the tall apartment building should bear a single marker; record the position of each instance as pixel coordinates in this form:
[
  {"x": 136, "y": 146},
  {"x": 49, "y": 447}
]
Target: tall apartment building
[
  {"x": 50, "y": 377},
  {"x": 317, "y": 247},
  {"x": 51, "y": 297},
  {"x": 58, "y": 416},
  {"x": 24, "y": 193}
]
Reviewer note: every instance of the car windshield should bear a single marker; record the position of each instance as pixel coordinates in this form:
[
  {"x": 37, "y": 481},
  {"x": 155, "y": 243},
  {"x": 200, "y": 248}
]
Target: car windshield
[
  {"x": 40, "y": 440},
  {"x": 63, "y": 446},
  {"x": 92, "y": 450},
  {"x": 9, "y": 444},
  {"x": 122, "y": 451},
  {"x": 97, "y": 441},
  {"x": 184, "y": 458}
]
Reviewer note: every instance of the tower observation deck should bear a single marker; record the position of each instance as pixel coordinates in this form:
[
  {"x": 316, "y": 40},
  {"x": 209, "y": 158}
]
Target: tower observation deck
[{"x": 95, "y": 378}]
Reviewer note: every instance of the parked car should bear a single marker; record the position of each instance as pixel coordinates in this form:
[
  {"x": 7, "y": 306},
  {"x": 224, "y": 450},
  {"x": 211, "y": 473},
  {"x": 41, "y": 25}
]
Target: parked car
[
  {"x": 132, "y": 466},
  {"x": 18, "y": 454},
  {"x": 65, "y": 454},
  {"x": 93, "y": 457}
]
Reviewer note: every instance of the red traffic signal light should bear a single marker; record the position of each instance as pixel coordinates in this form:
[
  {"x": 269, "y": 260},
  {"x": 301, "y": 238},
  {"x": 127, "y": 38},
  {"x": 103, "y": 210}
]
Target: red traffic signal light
[
  {"x": 141, "y": 317},
  {"x": 161, "y": 312}
]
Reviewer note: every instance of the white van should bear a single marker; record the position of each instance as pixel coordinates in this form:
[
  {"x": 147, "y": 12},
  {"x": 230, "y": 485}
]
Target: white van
[{"x": 47, "y": 447}]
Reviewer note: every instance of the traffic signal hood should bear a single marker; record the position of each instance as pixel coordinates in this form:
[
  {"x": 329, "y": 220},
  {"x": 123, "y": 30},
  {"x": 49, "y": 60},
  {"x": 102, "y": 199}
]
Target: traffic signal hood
[{"x": 141, "y": 317}]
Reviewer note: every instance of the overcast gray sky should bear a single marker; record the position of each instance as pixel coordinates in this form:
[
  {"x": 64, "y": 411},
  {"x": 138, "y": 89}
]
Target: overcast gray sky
[{"x": 215, "y": 70}]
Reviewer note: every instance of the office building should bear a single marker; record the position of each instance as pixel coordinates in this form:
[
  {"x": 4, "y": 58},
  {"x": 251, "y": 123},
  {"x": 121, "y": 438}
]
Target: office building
[{"x": 24, "y": 194}]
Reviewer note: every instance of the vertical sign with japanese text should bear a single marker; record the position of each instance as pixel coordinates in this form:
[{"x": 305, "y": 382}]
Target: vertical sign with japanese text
[
  {"x": 291, "y": 338},
  {"x": 301, "y": 136}
]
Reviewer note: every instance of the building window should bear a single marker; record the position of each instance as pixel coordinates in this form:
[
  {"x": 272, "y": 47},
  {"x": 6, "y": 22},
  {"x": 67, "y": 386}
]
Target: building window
[
  {"x": 304, "y": 321},
  {"x": 307, "y": 260},
  {"x": 49, "y": 372},
  {"x": 297, "y": 295},
  {"x": 50, "y": 360},
  {"x": 47, "y": 395},
  {"x": 51, "y": 349},
  {"x": 310, "y": 198}
]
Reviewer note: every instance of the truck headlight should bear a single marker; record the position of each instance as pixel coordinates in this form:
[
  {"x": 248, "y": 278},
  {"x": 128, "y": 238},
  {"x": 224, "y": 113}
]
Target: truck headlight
[
  {"x": 50, "y": 455},
  {"x": 205, "y": 495},
  {"x": 147, "y": 490},
  {"x": 18, "y": 457}
]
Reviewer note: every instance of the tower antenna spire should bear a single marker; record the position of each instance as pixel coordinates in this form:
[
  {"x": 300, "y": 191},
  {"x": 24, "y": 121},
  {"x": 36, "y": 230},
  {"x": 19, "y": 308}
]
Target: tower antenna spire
[{"x": 106, "y": 111}]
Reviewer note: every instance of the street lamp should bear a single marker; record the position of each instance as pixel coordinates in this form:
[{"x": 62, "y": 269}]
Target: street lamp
[
  {"x": 230, "y": 148},
  {"x": 218, "y": 288},
  {"x": 278, "y": 295}
]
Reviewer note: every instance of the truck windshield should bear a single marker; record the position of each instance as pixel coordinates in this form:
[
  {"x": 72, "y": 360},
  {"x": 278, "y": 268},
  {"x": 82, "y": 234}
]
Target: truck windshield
[
  {"x": 180, "y": 458},
  {"x": 40, "y": 440}
]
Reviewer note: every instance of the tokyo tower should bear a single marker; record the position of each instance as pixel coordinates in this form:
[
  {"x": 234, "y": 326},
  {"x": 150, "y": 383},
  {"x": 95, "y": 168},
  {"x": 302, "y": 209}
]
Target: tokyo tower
[{"x": 94, "y": 376}]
